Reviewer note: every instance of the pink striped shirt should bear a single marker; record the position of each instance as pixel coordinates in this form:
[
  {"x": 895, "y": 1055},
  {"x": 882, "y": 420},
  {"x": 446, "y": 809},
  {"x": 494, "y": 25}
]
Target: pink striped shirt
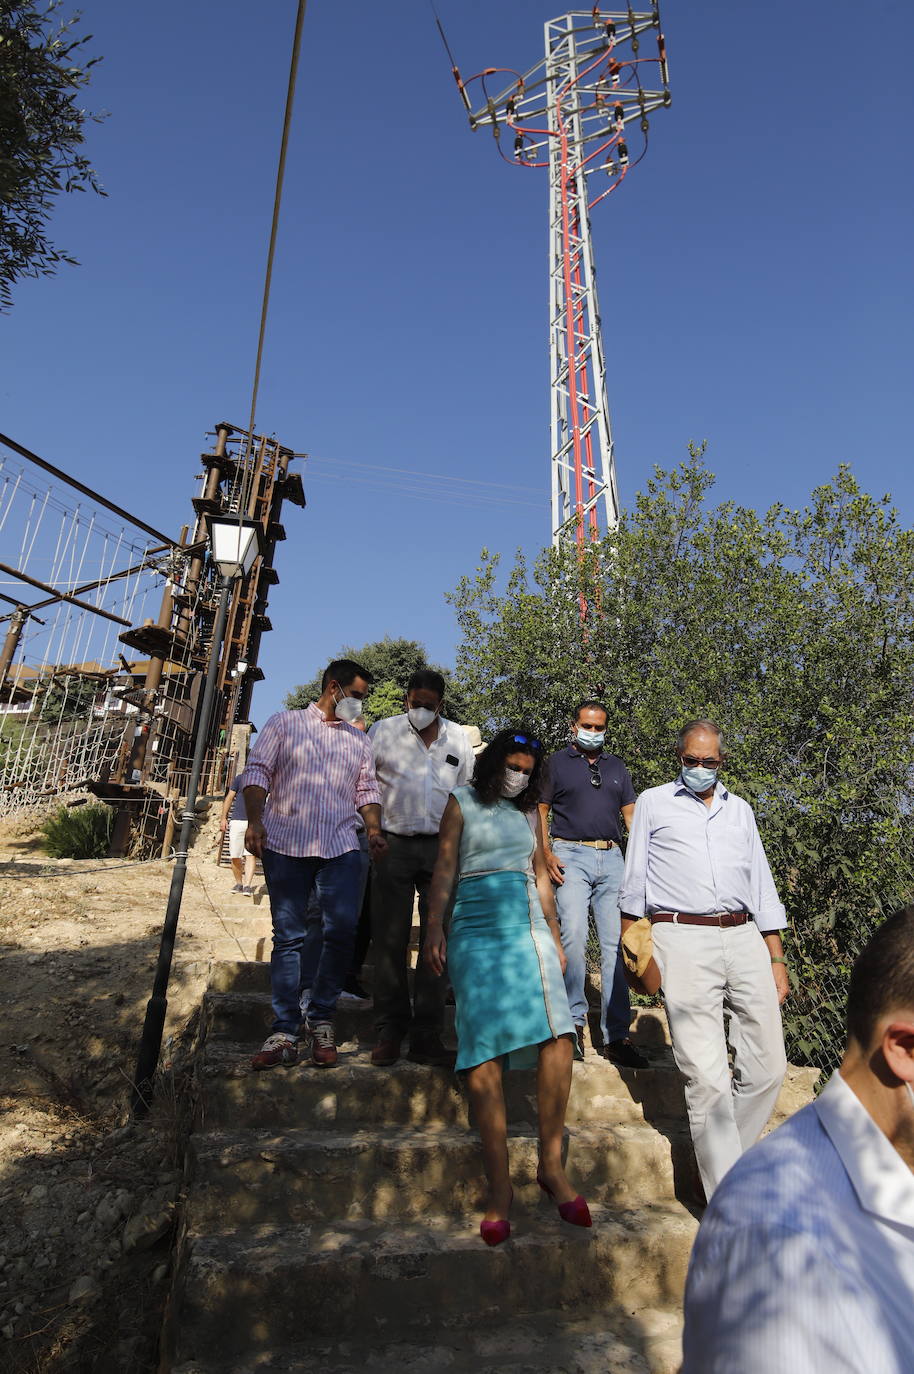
[{"x": 317, "y": 771}]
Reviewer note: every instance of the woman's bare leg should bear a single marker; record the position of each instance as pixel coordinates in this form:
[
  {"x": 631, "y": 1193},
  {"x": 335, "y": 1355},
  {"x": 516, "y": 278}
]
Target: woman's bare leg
[
  {"x": 488, "y": 1101},
  {"x": 553, "y": 1084}
]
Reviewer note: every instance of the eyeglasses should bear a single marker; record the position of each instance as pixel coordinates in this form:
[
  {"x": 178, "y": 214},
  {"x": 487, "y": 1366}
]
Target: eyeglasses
[
  {"x": 595, "y": 778},
  {"x": 691, "y": 761},
  {"x": 526, "y": 739}
]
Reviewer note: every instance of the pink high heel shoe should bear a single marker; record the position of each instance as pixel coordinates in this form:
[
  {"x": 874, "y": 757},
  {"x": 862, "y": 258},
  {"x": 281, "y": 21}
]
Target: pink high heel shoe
[
  {"x": 494, "y": 1232},
  {"x": 575, "y": 1211}
]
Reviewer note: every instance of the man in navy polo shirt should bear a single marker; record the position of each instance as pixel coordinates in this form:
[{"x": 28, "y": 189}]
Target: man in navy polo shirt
[{"x": 586, "y": 790}]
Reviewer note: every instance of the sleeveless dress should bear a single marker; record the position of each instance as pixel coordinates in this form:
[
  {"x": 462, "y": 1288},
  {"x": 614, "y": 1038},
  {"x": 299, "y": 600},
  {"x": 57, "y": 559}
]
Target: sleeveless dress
[{"x": 501, "y": 957}]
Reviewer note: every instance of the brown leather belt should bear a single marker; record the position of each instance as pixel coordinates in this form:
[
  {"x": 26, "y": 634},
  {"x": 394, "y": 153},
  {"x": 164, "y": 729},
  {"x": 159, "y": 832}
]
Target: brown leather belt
[
  {"x": 722, "y": 918},
  {"x": 591, "y": 844}
]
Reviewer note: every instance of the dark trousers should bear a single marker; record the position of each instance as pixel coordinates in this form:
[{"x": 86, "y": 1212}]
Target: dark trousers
[{"x": 404, "y": 870}]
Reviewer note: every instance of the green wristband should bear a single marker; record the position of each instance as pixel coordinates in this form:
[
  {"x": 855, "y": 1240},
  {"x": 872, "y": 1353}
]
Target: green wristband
[{"x": 776, "y": 959}]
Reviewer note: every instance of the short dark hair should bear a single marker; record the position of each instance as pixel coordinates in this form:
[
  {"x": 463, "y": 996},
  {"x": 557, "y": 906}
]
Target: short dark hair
[
  {"x": 882, "y": 979},
  {"x": 490, "y": 767},
  {"x": 427, "y": 680},
  {"x": 701, "y": 723},
  {"x": 344, "y": 671},
  {"x": 590, "y": 705}
]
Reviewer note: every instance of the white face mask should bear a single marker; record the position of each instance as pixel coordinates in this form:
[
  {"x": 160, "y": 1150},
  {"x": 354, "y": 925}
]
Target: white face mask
[
  {"x": 347, "y": 708},
  {"x": 910, "y": 1092},
  {"x": 514, "y": 782},
  {"x": 420, "y": 717}
]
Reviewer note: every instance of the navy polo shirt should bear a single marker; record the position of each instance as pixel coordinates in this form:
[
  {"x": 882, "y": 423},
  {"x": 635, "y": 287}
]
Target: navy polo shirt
[{"x": 581, "y": 811}]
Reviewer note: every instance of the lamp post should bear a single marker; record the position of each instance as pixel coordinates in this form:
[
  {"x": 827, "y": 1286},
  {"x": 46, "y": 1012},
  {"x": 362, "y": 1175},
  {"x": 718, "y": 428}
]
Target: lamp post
[{"x": 234, "y": 544}]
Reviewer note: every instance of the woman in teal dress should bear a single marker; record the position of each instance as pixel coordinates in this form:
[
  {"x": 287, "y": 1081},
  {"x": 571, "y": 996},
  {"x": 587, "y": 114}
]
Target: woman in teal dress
[{"x": 505, "y": 961}]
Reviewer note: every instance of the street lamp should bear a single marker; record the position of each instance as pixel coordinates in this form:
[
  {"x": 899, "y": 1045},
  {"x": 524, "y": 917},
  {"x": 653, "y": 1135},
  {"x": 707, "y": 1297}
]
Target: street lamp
[{"x": 234, "y": 545}]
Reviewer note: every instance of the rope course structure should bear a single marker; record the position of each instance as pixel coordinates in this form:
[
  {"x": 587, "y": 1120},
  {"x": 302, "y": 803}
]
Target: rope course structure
[
  {"x": 77, "y": 714},
  {"x": 62, "y": 722},
  {"x": 569, "y": 114}
]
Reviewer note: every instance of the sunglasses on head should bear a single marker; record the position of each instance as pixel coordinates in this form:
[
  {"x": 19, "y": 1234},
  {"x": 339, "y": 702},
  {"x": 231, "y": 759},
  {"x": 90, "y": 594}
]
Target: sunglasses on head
[{"x": 526, "y": 739}]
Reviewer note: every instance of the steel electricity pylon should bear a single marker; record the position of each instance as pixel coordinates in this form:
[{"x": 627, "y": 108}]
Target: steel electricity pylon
[{"x": 569, "y": 114}]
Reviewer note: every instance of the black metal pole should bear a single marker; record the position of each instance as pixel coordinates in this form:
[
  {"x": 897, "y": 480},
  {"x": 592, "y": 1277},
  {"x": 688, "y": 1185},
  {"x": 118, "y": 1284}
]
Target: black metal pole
[{"x": 151, "y": 1041}]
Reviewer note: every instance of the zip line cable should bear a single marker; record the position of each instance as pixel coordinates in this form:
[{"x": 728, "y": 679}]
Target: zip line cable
[{"x": 274, "y": 226}]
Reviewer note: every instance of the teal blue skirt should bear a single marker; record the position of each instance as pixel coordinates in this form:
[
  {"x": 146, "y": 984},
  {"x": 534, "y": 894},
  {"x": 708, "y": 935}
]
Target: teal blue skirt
[{"x": 505, "y": 972}]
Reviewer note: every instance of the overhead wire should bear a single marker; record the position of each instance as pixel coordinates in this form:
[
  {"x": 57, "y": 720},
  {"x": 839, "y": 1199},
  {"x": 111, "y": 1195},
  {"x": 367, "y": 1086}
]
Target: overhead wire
[{"x": 271, "y": 252}]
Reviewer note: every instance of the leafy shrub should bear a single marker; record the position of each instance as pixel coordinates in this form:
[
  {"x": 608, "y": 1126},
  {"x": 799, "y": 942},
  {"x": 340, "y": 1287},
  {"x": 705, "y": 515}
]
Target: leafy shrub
[{"x": 81, "y": 833}]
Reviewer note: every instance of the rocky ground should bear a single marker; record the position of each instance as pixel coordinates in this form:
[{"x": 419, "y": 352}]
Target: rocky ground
[{"x": 87, "y": 1199}]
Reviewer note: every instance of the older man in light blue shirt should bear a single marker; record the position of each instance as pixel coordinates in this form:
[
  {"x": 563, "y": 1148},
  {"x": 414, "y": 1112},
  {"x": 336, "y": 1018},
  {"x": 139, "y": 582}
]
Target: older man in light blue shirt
[
  {"x": 805, "y": 1259},
  {"x": 696, "y": 867}
]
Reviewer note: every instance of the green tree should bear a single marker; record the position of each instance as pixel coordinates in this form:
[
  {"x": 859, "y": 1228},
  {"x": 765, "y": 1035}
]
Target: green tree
[
  {"x": 42, "y": 74},
  {"x": 390, "y": 662},
  {"x": 794, "y": 629},
  {"x": 68, "y": 698},
  {"x": 385, "y": 699}
]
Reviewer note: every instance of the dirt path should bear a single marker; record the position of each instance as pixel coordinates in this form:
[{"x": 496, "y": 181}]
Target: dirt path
[{"x": 86, "y": 1199}]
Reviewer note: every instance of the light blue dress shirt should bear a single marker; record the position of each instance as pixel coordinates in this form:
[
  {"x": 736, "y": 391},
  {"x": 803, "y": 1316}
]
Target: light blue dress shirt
[
  {"x": 804, "y": 1262},
  {"x": 685, "y": 856}
]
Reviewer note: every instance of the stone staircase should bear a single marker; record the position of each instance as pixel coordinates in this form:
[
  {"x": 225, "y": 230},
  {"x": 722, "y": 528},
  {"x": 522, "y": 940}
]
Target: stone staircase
[{"x": 332, "y": 1214}]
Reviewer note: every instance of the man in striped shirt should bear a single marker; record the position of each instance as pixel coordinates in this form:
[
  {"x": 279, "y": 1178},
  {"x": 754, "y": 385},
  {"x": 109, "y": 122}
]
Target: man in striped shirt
[{"x": 317, "y": 770}]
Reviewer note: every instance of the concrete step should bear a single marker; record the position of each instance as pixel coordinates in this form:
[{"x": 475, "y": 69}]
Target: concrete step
[
  {"x": 254, "y": 1289},
  {"x": 354, "y": 1094},
  {"x": 617, "y": 1341},
  {"x": 303, "y": 1176},
  {"x": 248, "y": 1015}
]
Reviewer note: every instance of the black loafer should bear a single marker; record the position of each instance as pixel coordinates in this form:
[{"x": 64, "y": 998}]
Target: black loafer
[
  {"x": 623, "y": 1054},
  {"x": 431, "y": 1051}
]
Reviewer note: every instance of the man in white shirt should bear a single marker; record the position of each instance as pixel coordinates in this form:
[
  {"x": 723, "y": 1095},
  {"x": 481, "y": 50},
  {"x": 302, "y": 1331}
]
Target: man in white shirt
[
  {"x": 419, "y": 758},
  {"x": 696, "y": 867},
  {"x": 805, "y": 1259}
]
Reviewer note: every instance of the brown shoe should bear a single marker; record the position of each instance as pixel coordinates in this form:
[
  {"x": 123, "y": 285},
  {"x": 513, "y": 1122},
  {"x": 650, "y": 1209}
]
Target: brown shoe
[
  {"x": 384, "y": 1053},
  {"x": 277, "y": 1049},
  {"x": 323, "y": 1044}
]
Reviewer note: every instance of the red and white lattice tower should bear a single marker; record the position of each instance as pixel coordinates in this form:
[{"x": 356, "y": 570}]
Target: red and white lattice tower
[{"x": 569, "y": 114}]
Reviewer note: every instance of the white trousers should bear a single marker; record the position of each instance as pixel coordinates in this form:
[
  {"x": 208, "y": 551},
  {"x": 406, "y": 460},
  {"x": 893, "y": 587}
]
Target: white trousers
[{"x": 706, "y": 969}]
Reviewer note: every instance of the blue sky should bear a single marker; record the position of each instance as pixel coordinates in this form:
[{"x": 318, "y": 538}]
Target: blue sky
[{"x": 755, "y": 271}]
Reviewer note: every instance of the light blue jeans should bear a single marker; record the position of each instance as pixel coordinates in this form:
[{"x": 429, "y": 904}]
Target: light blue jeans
[{"x": 592, "y": 881}]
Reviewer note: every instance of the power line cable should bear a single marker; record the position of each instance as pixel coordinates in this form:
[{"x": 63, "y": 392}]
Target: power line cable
[
  {"x": 428, "y": 476},
  {"x": 274, "y": 226}
]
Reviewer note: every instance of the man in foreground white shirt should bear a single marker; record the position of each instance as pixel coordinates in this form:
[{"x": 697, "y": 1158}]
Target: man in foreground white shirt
[{"x": 805, "y": 1259}]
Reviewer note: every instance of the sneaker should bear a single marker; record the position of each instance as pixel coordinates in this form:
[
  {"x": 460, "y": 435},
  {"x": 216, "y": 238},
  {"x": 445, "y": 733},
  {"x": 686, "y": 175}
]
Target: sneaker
[
  {"x": 354, "y": 992},
  {"x": 277, "y": 1049},
  {"x": 385, "y": 1052},
  {"x": 579, "y": 1032},
  {"x": 348, "y": 998},
  {"x": 428, "y": 1049},
  {"x": 623, "y": 1054},
  {"x": 323, "y": 1044},
  {"x": 237, "y": 888},
  {"x": 246, "y": 891}
]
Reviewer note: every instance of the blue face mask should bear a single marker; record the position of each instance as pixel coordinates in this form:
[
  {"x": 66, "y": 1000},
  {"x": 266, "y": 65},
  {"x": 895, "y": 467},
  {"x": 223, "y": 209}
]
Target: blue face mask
[
  {"x": 590, "y": 739},
  {"x": 699, "y": 779}
]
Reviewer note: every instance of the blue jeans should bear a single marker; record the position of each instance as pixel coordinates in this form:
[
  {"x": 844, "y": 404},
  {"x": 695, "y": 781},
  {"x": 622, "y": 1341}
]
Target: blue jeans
[
  {"x": 592, "y": 881},
  {"x": 314, "y": 923},
  {"x": 289, "y": 883}
]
